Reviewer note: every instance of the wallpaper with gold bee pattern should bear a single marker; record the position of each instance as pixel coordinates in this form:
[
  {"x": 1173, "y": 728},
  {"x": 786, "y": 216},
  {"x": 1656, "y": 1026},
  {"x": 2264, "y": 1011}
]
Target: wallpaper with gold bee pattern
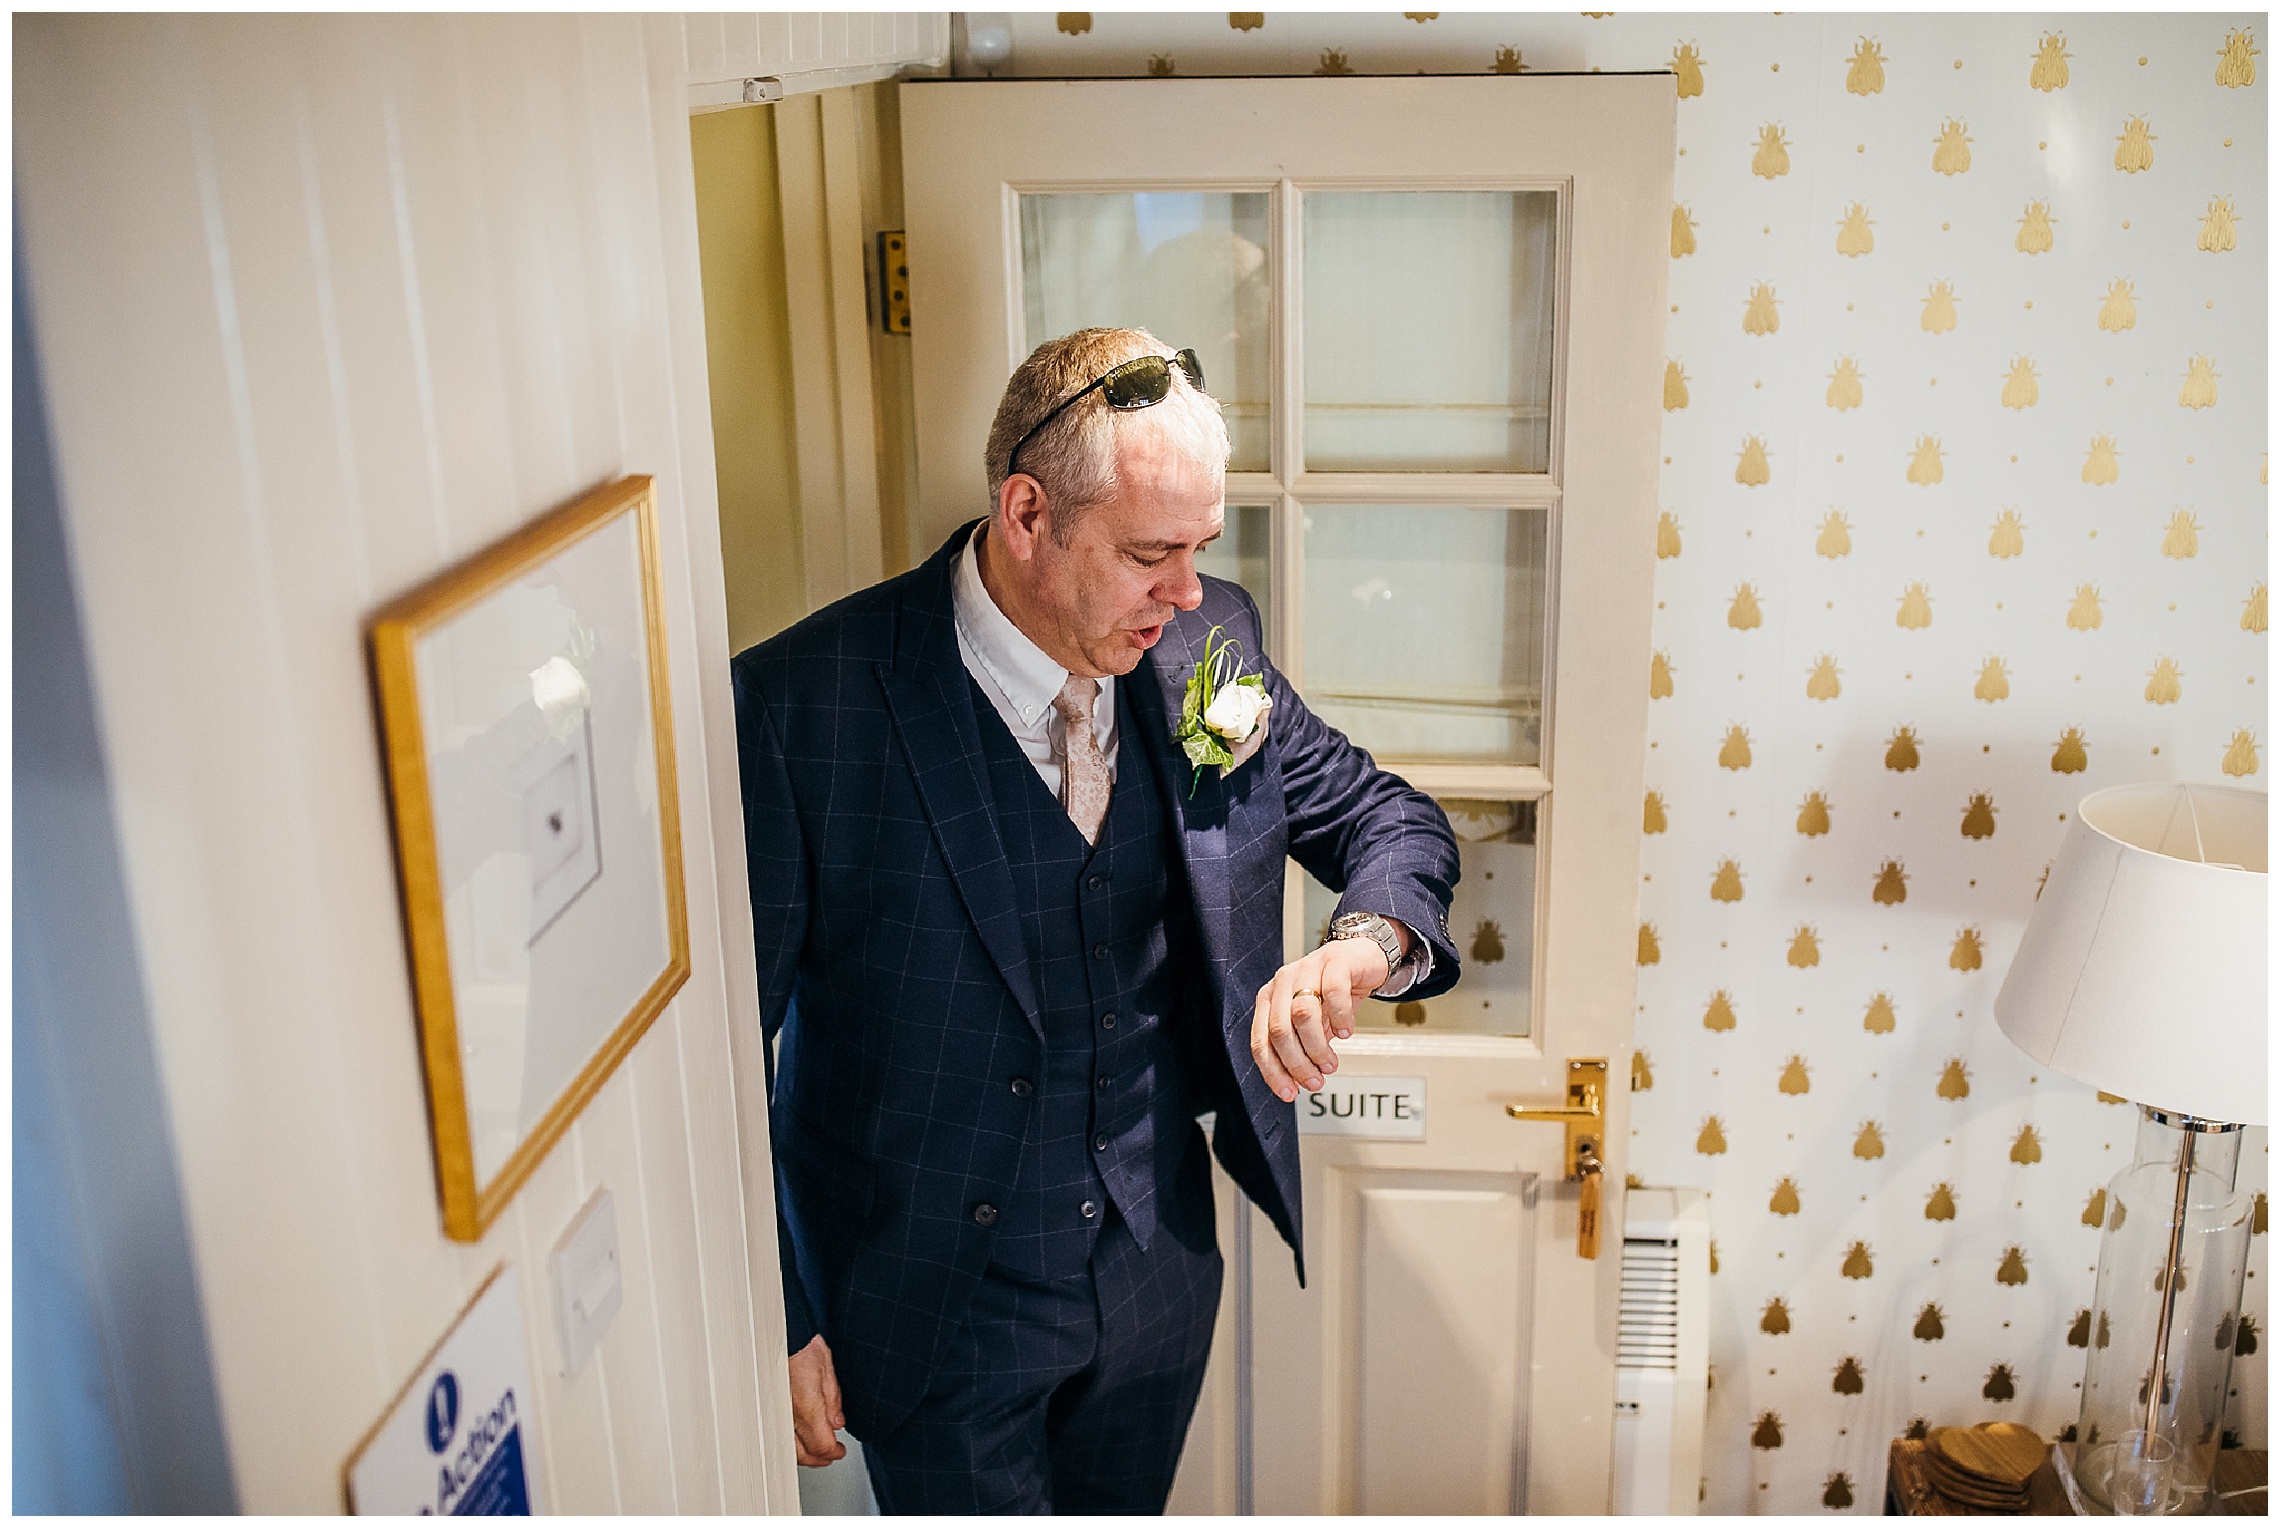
[{"x": 1963, "y": 518}]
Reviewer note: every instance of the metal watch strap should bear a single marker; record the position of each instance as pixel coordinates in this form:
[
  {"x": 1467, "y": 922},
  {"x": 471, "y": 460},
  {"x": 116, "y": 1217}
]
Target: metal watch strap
[{"x": 1374, "y": 928}]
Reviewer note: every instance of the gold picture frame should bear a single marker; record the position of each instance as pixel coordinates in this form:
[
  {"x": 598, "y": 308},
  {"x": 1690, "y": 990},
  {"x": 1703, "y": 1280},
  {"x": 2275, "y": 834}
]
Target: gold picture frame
[{"x": 547, "y": 925}]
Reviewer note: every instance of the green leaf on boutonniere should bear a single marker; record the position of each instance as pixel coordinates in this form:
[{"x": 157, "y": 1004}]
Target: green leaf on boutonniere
[{"x": 1202, "y": 746}]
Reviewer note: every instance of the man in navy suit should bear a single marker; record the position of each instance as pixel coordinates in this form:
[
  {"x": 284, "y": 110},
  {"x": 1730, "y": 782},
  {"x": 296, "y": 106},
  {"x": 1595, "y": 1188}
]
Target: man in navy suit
[{"x": 1016, "y": 936}]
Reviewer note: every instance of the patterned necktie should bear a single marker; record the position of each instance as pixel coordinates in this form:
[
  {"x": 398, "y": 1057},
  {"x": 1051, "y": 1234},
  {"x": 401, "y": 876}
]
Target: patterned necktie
[{"x": 1084, "y": 772}]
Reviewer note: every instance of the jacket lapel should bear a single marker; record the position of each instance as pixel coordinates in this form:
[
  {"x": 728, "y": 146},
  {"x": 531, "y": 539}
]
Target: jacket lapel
[
  {"x": 932, "y": 701},
  {"x": 1159, "y": 686}
]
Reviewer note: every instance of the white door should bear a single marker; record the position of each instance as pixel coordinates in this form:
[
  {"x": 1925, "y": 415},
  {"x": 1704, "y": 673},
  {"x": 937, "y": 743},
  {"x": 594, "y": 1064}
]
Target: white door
[{"x": 1434, "y": 311}]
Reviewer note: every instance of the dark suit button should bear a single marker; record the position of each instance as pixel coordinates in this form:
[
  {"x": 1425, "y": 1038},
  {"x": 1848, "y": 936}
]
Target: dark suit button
[
  {"x": 985, "y": 1214},
  {"x": 1100, "y": 952},
  {"x": 1102, "y": 1079},
  {"x": 1095, "y": 882},
  {"x": 1023, "y": 1087},
  {"x": 1100, "y": 1143},
  {"x": 1108, "y": 1021},
  {"x": 1088, "y": 1209}
]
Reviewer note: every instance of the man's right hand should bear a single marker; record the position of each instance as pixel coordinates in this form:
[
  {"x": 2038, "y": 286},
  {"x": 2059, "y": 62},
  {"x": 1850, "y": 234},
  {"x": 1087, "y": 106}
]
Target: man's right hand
[{"x": 816, "y": 1412}]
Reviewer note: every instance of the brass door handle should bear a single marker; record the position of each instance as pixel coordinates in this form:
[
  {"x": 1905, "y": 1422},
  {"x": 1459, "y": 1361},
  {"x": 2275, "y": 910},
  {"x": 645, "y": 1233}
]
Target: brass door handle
[{"x": 1584, "y": 1116}]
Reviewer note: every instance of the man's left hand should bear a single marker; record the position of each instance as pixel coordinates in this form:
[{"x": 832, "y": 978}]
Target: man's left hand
[{"x": 1309, "y": 1003}]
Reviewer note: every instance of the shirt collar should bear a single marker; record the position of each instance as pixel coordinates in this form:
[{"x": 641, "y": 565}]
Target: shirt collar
[{"x": 1019, "y": 667}]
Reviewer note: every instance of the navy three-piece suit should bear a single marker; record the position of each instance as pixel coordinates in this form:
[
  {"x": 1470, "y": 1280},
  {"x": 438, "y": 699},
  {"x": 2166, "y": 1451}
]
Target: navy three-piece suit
[{"x": 994, "y": 1199}]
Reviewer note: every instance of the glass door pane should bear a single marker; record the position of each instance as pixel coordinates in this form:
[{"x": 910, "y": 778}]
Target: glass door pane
[
  {"x": 1429, "y": 330},
  {"x": 1240, "y": 556},
  {"x": 1190, "y": 267},
  {"x": 1425, "y": 630}
]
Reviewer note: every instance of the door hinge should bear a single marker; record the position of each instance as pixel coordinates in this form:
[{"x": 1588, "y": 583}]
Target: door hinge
[{"x": 894, "y": 282}]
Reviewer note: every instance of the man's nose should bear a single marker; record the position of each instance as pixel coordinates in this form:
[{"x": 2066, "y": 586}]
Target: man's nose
[{"x": 1186, "y": 588}]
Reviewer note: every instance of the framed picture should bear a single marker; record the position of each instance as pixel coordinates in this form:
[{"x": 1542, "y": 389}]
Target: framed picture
[{"x": 528, "y": 734}]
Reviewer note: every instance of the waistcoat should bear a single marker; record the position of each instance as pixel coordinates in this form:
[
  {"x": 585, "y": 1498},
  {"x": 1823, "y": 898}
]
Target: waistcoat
[{"x": 1109, "y": 936}]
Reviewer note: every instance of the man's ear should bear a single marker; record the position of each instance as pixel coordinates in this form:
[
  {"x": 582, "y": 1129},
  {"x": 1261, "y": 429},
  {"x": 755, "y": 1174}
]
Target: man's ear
[{"x": 1024, "y": 515}]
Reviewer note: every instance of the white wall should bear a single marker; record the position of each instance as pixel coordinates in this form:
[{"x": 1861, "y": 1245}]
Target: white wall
[{"x": 324, "y": 306}]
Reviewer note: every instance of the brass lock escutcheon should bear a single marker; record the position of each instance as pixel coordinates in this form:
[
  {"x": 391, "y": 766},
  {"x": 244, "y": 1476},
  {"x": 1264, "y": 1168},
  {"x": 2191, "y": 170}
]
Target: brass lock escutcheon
[{"x": 1585, "y": 1117}]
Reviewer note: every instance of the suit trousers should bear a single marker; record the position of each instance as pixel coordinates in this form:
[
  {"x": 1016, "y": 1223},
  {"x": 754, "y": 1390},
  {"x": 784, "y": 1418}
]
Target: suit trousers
[{"x": 1068, "y": 1395}]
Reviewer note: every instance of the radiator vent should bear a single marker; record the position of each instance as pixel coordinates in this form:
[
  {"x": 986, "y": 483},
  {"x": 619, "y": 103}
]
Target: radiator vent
[{"x": 1647, "y": 1327}]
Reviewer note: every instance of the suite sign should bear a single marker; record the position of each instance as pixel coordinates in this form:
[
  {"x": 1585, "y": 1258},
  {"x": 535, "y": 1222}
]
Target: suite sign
[{"x": 1365, "y": 1108}]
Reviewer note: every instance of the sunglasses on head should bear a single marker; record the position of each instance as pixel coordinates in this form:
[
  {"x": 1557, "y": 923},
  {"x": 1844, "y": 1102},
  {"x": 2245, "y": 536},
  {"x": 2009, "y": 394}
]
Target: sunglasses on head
[{"x": 1137, "y": 384}]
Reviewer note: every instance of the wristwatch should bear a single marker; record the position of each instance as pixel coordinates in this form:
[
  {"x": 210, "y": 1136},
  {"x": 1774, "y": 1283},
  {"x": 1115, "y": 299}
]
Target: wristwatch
[{"x": 1372, "y": 927}]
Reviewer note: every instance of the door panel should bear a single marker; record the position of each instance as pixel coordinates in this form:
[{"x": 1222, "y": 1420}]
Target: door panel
[{"x": 1435, "y": 311}]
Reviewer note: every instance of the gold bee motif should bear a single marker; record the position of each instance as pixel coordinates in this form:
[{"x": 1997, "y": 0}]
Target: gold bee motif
[
  {"x": 1822, "y": 683},
  {"x": 1508, "y": 62},
  {"x": 2102, "y": 467},
  {"x": 1941, "y": 1204},
  {"x": 1854, "y": 237},
  {"x": 1796, "y": 1077},
  {"x": 1720, "y": 1014},
  {"x": 2133, "y": 151},
  {"x": 2236, "y": 61},
  {"x": 2217, "y": 233},
  {"x": 1751, "y": 469},
  {"x": 1994, "y": 682},
  {"x": 1930, "y": 1325},
  {"x": 2020, "y": 390},
  {"x": 1849, "y": 1381},
  {"x": 2094, "y": 1211},
  {"x": 1334, "y": 62},
  {"x": 2078, "y": 1334},
  {"x": 1869, "y": 1144},
  {"x": 1650, "y": 946},
  {"x": 1734, "y": 753},
  {"x": 1915, "y": 611},
  {"x": 1924, "y": 468},
  {"x": 1999, "y": 1386},
  {"x": 1880, "y": 1019},
  {"x": 1762, "y": 315},
  {"x": 2008, "y": 536},
  {"x": 1667, "y": 543},
  {"x": 1642, "y": 1073},
  {"x": 1837, "y": 1491},
  {"x": 1966, "y": 954},
  {"x": 1488, "y": 942},
  {"x": 1657, "y": 819},
  {"x": 2200, "y": 389},
  {"x": 1835, "y": 539},
  {"x": 1658, "y": 678},
  {"x": 1955, "y": 1082},
  {"x": 1866, "y": 75},
  {"x": 1813, "y": 815},
  {"x": 2182, "y": 538},
  {"x": 1074, "y": 23},
  {"x": 1726, "y": 884},
  {"x": 1859, "y": 1263},
  {"x": 1712, "y": 1141},
  {"x": 1686, "y": 63},
  {"x": 1939, "y": 308},
  {"x": 2026, "y": 1147},
  {"x": 1900, "y": 753},
  {"x": 2014, "y": 1267},
  {"x": 1767, "y": 1433},
  {"x": 1682, "y": 227},
  {"x": 2161, "y": 684},
  {"x": 1674, "y": 386},
  {"x": 2240, "y": 754},
  {"x": 1784, "y": 1200},
  {"x": 2049, "y": 69},
  {"x": 1421, "y": 17},
  {"x": 2085, "y": 614},
  {"x": 1772, "y": 157},
  {"x": 1804, "y": 947},
  {"x": 2071, "y": 756},
  {"x": 1409, "y": 1015},
  {"x": 1775, "y": 1321},
  {"x": 1891, "y": 885},
  {"x": 1160, "y": 66},
  {"x": 1744, "y": 614},
  {"x": 1844, "y": 384},
  {"x": 2035, "y": 237},
  {"x": 1246, "y": 21},
  {"x": 1979, "y": 817},
  {"x": 2119, "y": 310},
  {"x": 1951, "y": 151},
  {"x": 2252, "y": 610}
]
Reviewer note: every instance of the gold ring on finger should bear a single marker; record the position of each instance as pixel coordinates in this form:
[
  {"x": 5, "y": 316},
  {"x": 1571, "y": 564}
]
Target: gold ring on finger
[{"x": 1305, "y": 992}]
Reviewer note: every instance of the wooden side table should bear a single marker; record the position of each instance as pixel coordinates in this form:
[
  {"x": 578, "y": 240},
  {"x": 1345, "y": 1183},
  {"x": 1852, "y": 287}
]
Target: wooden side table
[{"x": 1908, "y": 1488}]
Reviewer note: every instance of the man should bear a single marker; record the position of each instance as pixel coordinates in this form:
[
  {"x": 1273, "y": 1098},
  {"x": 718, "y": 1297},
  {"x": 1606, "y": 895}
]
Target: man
[{"x": 1015, "y": 940}]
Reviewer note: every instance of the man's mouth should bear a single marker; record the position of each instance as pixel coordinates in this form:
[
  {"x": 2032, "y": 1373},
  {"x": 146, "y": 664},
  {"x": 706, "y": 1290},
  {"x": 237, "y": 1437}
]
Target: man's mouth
[{"x": 1146, "y": 636}]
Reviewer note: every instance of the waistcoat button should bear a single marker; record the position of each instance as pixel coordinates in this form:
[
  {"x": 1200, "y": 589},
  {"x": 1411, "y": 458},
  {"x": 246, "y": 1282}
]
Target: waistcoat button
[
  {"x": 1108, "y": 1021},
  {"x": 1103, "y": 1080},
  {"x": 985, "y": 1214},
  {"x": 1100, "y": 1143},
  {"x": 1100, "y": 952},
  {"x": 1088, "y": 1209},
  {"x": 1023, "y": 1087},
  {"x": 1095, "y": 883}
]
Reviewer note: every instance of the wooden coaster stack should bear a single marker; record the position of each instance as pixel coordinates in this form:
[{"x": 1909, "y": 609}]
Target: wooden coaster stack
[{"x": 1985, "y": 1468}]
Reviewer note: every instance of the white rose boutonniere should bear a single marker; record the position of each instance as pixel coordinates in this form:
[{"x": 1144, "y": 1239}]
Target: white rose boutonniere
[{"x": 1223, "y": 718}]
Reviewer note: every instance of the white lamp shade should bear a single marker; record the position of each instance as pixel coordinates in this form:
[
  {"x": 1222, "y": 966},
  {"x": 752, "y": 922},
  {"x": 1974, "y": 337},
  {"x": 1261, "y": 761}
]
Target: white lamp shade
[{"x": 2142, "y": 968}]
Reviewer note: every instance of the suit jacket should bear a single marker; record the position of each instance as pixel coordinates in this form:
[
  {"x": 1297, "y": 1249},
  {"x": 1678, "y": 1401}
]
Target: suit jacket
[{"x": 891, "y": 959}]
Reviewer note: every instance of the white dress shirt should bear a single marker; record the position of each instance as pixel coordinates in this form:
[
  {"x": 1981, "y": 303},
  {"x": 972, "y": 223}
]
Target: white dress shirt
[{"x": 1021, "y": 683}]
